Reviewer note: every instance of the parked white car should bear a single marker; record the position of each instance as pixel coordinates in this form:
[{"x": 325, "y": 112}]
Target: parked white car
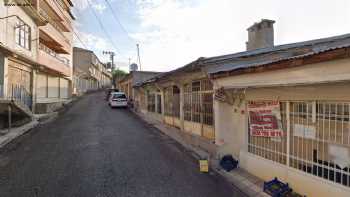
[{"x": 118, "y": 99}]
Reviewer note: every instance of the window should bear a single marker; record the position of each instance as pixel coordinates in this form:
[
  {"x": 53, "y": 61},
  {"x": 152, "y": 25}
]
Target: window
[
  {"x": 187, "y": 102},
  {"x": 159, "y": 103},
  {"x": 271, "y": 148},
  {"x": 23, "y": 34},
  {"x": 176, "y": 101},
  {"x": 168, "y": 105},
  {"x": 198, "y": 102},
  {"x": 151, "y": 102},
  {"x": 119, "y": 96},
  {"x": 319, "y": 140}
]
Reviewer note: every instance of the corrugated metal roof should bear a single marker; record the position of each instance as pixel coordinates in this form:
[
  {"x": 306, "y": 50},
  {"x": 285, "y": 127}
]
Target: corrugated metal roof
[
  {"x": 278, "y": 48},
  {"x": 237, "y": 61},
  {"x": 263, "y": 56}
]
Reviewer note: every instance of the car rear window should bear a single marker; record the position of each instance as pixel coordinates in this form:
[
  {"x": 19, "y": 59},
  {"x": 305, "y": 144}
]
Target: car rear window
[{"x": 120, "y": 96}]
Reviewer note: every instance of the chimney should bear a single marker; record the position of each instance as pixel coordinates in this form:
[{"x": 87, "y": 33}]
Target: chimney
[{"x": 260, "y": 35}]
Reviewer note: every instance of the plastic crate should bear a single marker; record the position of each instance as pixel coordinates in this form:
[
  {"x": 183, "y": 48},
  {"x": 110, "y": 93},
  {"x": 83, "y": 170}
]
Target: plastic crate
[{"x": 276, "y": 188}]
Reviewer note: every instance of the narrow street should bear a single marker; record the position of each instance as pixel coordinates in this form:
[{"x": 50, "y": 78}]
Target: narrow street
[{"x": 96, "y": 151}]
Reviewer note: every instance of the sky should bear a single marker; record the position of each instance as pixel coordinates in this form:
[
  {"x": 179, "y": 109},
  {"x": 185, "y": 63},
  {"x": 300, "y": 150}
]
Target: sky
[{"x": 172, "y": 33}]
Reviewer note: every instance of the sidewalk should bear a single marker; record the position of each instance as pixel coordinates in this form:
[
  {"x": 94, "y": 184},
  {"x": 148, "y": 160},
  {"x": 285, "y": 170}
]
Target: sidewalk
[
  {"x": 16, "y": 132},
  {"x": 6, "y": 137},
  {"x": 241, "y": 179}
]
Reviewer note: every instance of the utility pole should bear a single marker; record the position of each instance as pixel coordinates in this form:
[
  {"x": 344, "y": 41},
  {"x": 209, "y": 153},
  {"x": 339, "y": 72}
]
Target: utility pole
[
  {"x": 138, "y": 55},
  {"x": 111, "y": 54}
]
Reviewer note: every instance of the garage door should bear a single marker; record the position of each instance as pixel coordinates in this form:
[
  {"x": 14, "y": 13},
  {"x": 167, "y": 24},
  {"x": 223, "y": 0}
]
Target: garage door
[
  {"x": 41, "y": 85},
  {"x": 64, "y": 88},
  {"x": 53, "y": 87},
  {"x": 18, "y": 77}
]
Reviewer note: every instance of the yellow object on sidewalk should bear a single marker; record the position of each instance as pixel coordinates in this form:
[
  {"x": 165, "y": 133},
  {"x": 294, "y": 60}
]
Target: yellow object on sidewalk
[{"x": 203, "y": 166}]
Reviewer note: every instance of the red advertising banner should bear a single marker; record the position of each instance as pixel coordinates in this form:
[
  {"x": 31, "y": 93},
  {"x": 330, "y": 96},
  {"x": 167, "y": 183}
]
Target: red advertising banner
[{"x": 265, "y": 118}]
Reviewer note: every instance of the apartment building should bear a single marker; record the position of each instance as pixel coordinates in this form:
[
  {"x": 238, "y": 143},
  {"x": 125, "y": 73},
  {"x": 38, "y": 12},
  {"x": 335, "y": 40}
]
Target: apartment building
[
  {"x": 54, "y": 75},
  {"x": 18, "y": 60},
  {"x": 36, "y": 55},
  {"x": 89, "y": 72}
]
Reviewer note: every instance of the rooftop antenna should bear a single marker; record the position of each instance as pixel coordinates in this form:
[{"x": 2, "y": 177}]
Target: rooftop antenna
[{"x": 138, "y": 55}]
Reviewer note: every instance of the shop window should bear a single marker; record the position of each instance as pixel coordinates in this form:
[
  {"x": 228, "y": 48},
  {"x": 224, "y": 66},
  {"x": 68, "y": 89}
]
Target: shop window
[
  {"x": 198, "y": 102},
  {"x": 151, "y": 102},
  {"x": 319, "y": 140},
  {"x": 159, "y": 104},
  {"x": 320, "y": 143},
  {"x": 187, "y": 102},
  {"x": 176, "y": 101},
  {"x": 168, "y": 105},
  {"x": 272, "y": 148}
]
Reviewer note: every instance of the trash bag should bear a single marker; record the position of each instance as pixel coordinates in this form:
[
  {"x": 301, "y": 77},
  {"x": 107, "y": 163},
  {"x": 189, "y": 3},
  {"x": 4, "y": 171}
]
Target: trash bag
[{"x": 228, "y": 163}]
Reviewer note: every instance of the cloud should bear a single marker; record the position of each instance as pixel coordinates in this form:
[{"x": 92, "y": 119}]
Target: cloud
[
  {"x": 97, "y": 5},
  {"x": 99, "y": 8},
  {"x": 173, "y": 33},
  {"x": 92, "y": 42}
]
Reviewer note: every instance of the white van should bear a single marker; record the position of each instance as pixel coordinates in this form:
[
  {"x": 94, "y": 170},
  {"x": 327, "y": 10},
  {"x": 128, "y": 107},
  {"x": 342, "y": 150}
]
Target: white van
[{"x": 118, "y": 99}]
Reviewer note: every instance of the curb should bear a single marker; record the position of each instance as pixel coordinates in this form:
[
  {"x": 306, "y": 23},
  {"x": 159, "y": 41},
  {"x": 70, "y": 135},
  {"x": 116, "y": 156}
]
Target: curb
[{"x": 16, "y": 132}]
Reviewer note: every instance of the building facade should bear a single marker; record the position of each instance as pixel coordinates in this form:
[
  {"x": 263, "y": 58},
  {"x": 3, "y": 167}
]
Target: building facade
[
  {"x": 282, "y": 111},
  {"x": 36, "y": 42},
  {"x": 134, "y": 77},
  {"x": 55, "y": 52},
  {"x": 89, "y": 72}
]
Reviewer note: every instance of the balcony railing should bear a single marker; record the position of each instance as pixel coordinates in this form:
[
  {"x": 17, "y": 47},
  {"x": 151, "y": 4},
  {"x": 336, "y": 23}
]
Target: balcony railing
[
  {"x": 17, "y": 93},
  {"x": 54, "y": 24},
  {"x": 52, "y": 53}
]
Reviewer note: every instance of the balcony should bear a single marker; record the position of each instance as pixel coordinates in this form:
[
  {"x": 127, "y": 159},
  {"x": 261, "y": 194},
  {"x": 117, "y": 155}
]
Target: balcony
[
  {"x": 54, "y": 9},
  {"x": 51, "y": 60},
  {"x": 53, "y": 35}
]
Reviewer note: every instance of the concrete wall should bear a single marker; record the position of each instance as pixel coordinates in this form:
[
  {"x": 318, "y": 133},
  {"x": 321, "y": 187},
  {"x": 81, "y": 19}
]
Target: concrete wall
[
  {"x": 313, "y": 73},
  {"x": 7, "y": 30}
]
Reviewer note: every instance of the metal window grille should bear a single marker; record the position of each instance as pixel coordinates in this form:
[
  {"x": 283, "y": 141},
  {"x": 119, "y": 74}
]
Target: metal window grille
[
  {"x": 318, "y": 138},
  {"x": 159, "y": 103},
  {"x": 198, "y": 102},
  {"x": 168, "y": 106},
  {"x": 320, "y": 149},
  {"x": 176, "y": 101},
  {"x": 151, "y": 103},
  {"x": 187, "y": 102},
  {"x": 142, "y": 101},
  {"x": 207, "y": 102},
  {"x": 274, "y": 149}
]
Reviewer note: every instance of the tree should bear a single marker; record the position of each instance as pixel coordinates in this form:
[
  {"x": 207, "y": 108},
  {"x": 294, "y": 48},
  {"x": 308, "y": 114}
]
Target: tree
[{"x": 118, "y": 75}]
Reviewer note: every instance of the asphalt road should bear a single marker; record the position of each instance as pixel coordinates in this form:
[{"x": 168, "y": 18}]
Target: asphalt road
[{"x": 92, "y": 150}]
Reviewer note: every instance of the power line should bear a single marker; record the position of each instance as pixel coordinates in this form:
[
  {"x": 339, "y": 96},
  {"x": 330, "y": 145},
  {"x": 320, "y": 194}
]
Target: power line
[
  {"x": 118, "y": 21},
  {"x": 103, "y": 28},
  {"x": 76, "y": 35}
]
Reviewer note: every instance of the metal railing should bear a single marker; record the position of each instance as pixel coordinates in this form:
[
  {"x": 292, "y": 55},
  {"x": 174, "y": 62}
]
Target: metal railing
[
  {"x": 17, "y": 93},
  {"x": 54, "y": 24},
  {"x": 315, "y": 140},
  {"x": 52, "y": 53}
]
